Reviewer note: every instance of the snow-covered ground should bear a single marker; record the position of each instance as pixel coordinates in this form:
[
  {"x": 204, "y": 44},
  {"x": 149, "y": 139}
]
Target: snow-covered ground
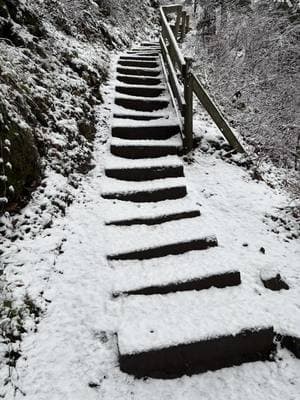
[{"x": 73, "y": 353}]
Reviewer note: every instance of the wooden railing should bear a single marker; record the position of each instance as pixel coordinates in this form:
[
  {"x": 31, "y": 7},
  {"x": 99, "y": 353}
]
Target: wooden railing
[{"x": 183, "y": 82}]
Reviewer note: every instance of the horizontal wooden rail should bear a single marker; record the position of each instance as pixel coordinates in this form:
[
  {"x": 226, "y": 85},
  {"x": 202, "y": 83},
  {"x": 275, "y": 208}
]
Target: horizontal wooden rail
[
  {"x": 174, "y": 50},
  {"x": 172, "y": 77},
  {"x": 178, "y": 65}
]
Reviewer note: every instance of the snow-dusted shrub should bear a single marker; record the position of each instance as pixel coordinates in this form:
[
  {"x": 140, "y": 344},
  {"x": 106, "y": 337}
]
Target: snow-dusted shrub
[{"x": 247, "y": 56}]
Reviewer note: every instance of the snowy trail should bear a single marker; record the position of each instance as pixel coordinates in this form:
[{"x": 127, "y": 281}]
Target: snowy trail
[{"x": 74, "y": 353}]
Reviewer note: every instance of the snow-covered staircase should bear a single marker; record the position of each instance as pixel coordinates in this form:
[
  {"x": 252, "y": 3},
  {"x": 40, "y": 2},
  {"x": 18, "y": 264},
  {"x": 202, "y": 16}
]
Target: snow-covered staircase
[{"x": 162, "y": 253}]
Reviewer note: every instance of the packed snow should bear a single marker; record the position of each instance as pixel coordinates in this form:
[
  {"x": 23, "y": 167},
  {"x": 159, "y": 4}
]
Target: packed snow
[{"x": 72, "y": 352}]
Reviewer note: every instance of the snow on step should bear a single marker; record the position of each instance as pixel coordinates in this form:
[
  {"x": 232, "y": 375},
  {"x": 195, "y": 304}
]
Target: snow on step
[
  {"x": 139, "y": 80},
  {"x": 144, "y": 242},
  {"x": 139, "y": 71},
  {"x": 140, "y": 90},
  {"x": 173, "y": 141},
  {"x": 139, "y": 117},
  {"x": 128, "y": 213},
  {"x": 151, "y": 130},
  {"x": 145, "y": 173},
  {"x": 143, "y": 169},
  {"x": 113, "y": 162},
  {"x": 188, "y": 332},
  {"x": 142, "y": 124},
  {"x": 138, "y": 63},
  {"x": 165, "y": 114},
  {"x": 156, "y": 190},
  {"x": 134, "y": 149},
  {"x": 149, "y": 52},
  {"x": 161, "y": 280},
  {"x": 136, "y": 274},
  {"x": 146, "y": 50},
  {"x": 139, "y": 58},
  {"x": 142, "y": 103}
]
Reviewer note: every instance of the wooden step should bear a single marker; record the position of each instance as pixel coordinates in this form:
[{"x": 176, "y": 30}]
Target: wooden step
[
  {"x": 186, "y": 333},
  {"x": 145, "y": 242},
  {"x": 155, "y": 130},
  {"x": 147, "y": 44},
  {"x": 145, "y": 50},
  {"x": 139, "y": 117},
  {"x": 135, "y": 149},
  {"x": 139, "y": 80},
  {"x": 155, "y": 219},
  {"x": 170, "y": 188},
  {"x": 142, "y": 104},
  {"x": 211, "y": 267},
  {"x": 143, "y": 53},
  {"x": 138, "y": 63},
  {"x": 179, "y": 247},
  {"x": 154, "y": 72},
  {"x": 139, "y": 58},
  {"x": 126, "y": 214},
  {"x": 221, "y": 280},
  {"x": 142, "y": 91},
  {"x": 143, "y": 170}
]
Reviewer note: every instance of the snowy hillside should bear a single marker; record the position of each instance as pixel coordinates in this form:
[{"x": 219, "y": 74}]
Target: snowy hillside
[{"x": 128, "y": 269}]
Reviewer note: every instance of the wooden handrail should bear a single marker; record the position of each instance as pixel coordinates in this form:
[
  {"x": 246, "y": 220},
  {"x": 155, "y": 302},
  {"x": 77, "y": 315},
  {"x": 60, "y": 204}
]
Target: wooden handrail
[
  {"x": 173, "y": 80},
  {"x": 175, "y": 61},
  {"x": 174, "y": 50}
]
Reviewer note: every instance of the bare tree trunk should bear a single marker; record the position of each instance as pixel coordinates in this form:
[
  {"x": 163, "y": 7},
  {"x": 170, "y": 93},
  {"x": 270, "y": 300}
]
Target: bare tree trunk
[
  {"x": 297, "y": 154},
  {"x": 195, "y": 6},
  {"x": 224, "y": 12}
]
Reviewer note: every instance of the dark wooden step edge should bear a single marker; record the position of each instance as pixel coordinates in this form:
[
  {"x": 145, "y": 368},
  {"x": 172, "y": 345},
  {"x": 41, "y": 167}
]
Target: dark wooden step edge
[
  {"x": 205, "y": 355},
  {"x": 157, "y": 219},
  {"x": 145, "y": 196},
  {"x": 145, "y": 173},
  {"x": 138, "y": 63},
  {"x": 140, "y": 91},
  {"x": 137, "y": 152},
  {"x": 130, "y": 71},
  {"x": 226, "y": 279},
  {"x": 139, "y": 80},
  {"x": 139, "y": 58},
  {"x": 141, "y": 104},
  {"x": 144, "y": 132},
  {"x": 167, "y": 249},
  {"x": 139, "y": 117}
]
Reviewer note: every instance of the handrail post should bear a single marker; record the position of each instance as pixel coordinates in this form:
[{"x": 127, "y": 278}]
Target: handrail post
[
  {"x": 177, "y": 23},
  {"x": 187, "y": 25},
  {"x": 183, "y": 24},
  {"x": 188, "y": 112}
]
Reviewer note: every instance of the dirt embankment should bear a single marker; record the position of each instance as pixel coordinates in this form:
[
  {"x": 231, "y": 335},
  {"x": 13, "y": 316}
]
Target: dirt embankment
[{"x": 54, "y": 56}]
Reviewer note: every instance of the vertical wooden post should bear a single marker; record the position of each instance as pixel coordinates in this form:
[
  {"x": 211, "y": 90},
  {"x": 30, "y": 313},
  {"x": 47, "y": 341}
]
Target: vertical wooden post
[
  {"x": 177, "y": 23},
  {"x": 183, "y": 24},
  {"x": 188, "y": 113},
  {"x": 187, "y": 25}
]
